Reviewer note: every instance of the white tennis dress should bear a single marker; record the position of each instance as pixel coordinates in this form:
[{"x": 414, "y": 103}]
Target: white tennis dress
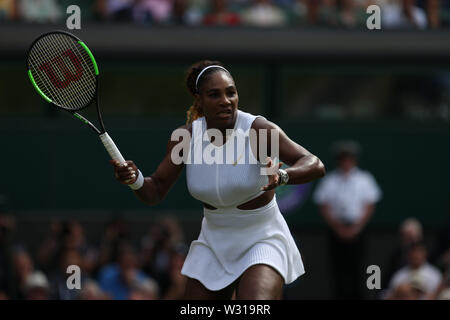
[{"x": 231, "y": 240}]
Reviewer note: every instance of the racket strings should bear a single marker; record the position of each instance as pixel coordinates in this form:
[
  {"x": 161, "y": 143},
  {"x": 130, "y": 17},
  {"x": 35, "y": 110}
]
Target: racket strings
[
  {"x": 69, "y": 42},
  {"x": 57, "y": 95},
  {"x": 88, "y": 62},
  {"x": 42, "y": 53},
  {"x": 41, "y": 83},
  {"x": 80, "y": 95},
  {"x": 60, "y": 83}
]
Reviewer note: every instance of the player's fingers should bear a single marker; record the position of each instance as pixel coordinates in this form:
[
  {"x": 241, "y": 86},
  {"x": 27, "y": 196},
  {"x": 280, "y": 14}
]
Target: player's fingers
[
  {"x": 125, "y": 170},
  {"x": 127, "y": 166},
  {"x": 122, "y": 167},
  {"x": 130, "y": 164},
  {"x": 125, "y": 174},
  {"x": 274, "y": 180},
  {"x": 130, "y": 181},
  {"x": 131, "y": 178},
  {"x": 273, "y": 183}
]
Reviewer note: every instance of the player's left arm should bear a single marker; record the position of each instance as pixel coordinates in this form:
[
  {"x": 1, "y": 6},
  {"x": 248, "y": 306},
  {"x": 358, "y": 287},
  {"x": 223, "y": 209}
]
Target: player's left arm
[
  {"x": 303, "y": 165},
  {"x": 369, "y": 209}
]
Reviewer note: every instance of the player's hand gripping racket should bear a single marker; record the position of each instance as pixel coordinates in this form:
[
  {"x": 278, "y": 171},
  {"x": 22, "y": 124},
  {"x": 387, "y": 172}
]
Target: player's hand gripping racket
[{"x": 64, "y": 72}]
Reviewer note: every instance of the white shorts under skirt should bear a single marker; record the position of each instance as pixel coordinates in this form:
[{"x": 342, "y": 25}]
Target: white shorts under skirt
[{"x": 231, "y": 240}]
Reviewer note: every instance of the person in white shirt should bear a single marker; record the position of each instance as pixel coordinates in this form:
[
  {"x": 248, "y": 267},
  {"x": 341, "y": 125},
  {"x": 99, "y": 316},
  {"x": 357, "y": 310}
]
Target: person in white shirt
[
  {"x": 419, "y": 273},
  {"x": 346, "y": 198},
  {"x": 403, "y": 14}
]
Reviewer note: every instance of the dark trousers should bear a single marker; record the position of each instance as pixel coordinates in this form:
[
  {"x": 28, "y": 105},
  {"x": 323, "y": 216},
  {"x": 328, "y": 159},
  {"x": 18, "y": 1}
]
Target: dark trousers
[{"x": 347, "y": 266}]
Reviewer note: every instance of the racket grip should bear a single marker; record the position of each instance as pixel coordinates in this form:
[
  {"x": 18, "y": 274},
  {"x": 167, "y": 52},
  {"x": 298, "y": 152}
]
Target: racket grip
[{"x": 111, "y": 147}]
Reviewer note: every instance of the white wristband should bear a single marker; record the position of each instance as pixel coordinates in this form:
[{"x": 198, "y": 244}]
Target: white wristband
[{"x": 139, "y": 182}]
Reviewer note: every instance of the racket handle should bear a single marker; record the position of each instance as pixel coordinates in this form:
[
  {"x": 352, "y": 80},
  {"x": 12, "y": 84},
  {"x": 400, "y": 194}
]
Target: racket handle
[{"x": 111, "y": 147}]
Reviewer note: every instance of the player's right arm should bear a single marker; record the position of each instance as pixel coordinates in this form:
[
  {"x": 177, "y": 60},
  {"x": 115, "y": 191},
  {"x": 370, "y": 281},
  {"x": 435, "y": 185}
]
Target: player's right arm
[{"x": 156, "y": 186}]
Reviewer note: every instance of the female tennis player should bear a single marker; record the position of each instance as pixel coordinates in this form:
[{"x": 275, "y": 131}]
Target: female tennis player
[{"x": 245, "y": 245}]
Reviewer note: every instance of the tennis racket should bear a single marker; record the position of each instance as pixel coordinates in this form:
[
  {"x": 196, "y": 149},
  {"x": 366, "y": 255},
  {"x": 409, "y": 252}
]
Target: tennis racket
[{"x": 63, "y": 71}]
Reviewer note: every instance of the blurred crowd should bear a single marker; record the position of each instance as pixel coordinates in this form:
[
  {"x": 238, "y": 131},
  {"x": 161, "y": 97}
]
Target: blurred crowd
[
  {"x": 419, "y": 14},
  {"x": 414, "y": 271},
  {"x": 114, "y": 268},
  {"x": 118, "y": 268},
  {"x": 347, "y": 198}
]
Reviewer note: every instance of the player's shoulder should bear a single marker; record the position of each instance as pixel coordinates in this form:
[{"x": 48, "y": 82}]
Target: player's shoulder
[{"x": 262, "y": 123}]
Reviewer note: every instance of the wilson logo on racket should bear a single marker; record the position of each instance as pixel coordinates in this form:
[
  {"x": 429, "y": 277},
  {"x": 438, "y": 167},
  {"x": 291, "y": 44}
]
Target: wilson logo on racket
[{"x": 60, "y": 63}]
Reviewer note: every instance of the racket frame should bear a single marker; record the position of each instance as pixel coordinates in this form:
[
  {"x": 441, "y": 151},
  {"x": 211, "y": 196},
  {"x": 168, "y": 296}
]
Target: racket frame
[{"x": 94, "y": 96}]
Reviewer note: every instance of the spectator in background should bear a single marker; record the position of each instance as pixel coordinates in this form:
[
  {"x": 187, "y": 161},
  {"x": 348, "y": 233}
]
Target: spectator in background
[
  {"x": 418, "y": 273},
  {"x": 145, "y": 290},
  {"x": 313, "y": 7},
  {"x": 440, "y": 255},
  {"x": 91, "y": 291},
  {"x": 195, "y": 11},
  {"x": 152, "y": 11},
  {"x": 115, "y": 10},
  {"x": 47, "y": 251},
  {"x": 442, "y": 292},
  {"x": 88, "y": 9},
  {"x": 263, "y": 13},
  {"x": 407, "y": 291},
  {"x": 285, "y": 3},
  {"x": 118, "y": 279},
  {"x": 179, "y": 12},
  {"x": 37, "y": 287},
  {"x": 347, "y": 15},
  {"x": 432, "y": 8},
  {"x": 41, "y": 11},
  {"x": 8, "y": 10},
  {"x": 410, "y": 232},
  {"x": 403, "y": 14},
  {"x": 177, "y": 283},
  {"x": 316, "y": 12},
  {"x": 346, "y": 199},
  {"x": 24, "y": 268},
  {"x": 160, "y": 250},
  {"x": 63, "y": 236},
  {"x": 116, "y": 233},
  {"x": 58, "y": 279},
  {"x": 221, "y": 15}
]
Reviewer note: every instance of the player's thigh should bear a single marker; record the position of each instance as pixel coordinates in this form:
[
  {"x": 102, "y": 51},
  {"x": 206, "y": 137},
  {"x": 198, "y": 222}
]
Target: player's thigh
[
  {"x": 260, "y": 282},
  {"x": 195, "y": 290}
]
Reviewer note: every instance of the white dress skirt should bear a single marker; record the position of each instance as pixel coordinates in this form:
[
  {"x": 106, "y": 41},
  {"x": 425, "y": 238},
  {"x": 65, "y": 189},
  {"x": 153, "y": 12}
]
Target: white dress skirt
[{"x": 231, "y": 240}]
